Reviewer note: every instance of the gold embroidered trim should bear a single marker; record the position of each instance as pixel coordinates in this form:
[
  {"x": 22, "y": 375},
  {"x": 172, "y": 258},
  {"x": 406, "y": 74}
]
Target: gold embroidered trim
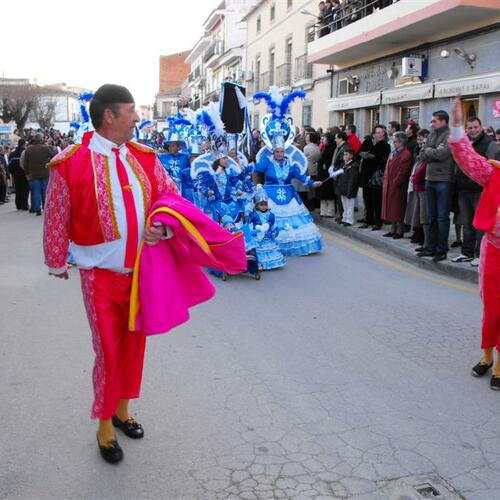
[
  {"x": 495, "y": 163},
  {"x": 63, "y": 155},
  {"x": 141, "y": 147},
  {"x": 94, "y": 158}
]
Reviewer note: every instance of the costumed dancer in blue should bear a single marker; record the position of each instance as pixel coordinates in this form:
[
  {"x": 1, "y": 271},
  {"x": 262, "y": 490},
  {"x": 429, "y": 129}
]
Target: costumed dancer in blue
[
  {"x": 175, "y": 162},
  {"x": 280, "y": 162},
  {"x": 244, "y": 170},
  {"x": 264, "y": 222},
  {"x": 215, "y": 174}
]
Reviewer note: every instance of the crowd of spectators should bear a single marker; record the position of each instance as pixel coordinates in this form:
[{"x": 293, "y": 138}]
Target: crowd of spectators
[
  {"x": 23, "y": 161},
  {"x": 336, "y": 14},
  {"x": 407, "y": 179}
]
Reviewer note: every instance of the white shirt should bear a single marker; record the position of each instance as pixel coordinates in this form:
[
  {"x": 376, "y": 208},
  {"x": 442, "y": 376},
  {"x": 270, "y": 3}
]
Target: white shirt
[{"x": 111, "y": 255}]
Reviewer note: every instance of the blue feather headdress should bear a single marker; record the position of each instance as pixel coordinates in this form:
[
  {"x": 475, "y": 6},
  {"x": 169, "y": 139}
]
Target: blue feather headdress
[
  {"x": 277, "y": 104},
  {"x": 84, "y": 98}
]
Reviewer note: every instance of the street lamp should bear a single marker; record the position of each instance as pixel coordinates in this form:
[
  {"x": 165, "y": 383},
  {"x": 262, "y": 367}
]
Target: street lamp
[{"x": 307, "y": 13}]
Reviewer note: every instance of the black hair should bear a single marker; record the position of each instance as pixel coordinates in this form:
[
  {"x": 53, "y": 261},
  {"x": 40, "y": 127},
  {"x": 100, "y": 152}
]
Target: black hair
[
  {"x": 441, "y": 115},
  {"x": 341, "y": 135},
  {"x": 474, "y": 119},
  {"x": 395, "y": 125},
  {"x": 352, "y": 128},
  {"x": 97, "y": 108},
  {"x": 423, "y": 132},
  {"x": 349, "y": 150},
  {"x": 413, "y": 127}
]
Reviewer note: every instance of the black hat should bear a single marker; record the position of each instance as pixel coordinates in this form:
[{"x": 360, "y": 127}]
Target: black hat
[{"x": 110, "y": 94}]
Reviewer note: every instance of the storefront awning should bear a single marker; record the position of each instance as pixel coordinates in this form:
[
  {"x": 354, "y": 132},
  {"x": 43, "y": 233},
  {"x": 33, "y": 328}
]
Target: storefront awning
[
  {"x": 471, "y": 85},
  {"x": 407, "y": 94},
  {"x": 354, "y": 102}
]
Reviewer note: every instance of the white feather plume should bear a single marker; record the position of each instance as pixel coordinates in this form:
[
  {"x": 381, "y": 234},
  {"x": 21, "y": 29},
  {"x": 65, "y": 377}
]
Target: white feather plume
[
  {"x": 276, "y": 95},
  {"x": 213, "y": 110}
]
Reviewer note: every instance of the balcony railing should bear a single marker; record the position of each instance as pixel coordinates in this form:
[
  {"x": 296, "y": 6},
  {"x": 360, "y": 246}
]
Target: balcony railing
[
  {"x": 339, "y": 17},
  {"x": 216, "y": 49},
  {"x": 265, "y": 81},
  {"x": 303, "y": 69},
  {"x": 284, "y": 75}
]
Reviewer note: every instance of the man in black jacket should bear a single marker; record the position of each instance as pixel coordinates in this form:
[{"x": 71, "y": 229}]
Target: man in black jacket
[
  {"x": 20, "y": 181},
  {"x": 469, "y": 193}
]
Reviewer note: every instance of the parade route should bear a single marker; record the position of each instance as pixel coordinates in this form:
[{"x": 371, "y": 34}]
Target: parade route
[{"x": 331, "y": 378}]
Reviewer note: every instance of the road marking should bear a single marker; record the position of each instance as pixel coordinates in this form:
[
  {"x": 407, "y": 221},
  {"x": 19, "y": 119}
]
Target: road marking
[{"x": 398, "y": 267}]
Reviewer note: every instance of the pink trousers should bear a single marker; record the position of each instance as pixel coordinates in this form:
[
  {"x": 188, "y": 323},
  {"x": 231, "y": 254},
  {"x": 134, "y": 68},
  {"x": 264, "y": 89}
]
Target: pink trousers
[
  {"x": 119, "y": 353},
  {"x": 489, "y": 273}
]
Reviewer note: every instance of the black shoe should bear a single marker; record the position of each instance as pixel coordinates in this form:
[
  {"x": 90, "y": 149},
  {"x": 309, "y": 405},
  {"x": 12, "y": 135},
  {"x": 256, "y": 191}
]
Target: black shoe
[
  {"x": 419, "y": 249},
  {"x": 397, "y": 236},
  {"x": 111, "y": 452},
  {"x": 346, "y": 224},
  {"x": 426, "y": 253},
  {"x": 39, "y": 212},
  {"x": 130, "y": 427},
  {"x": 376, "y": 228},
  {"x": 495, "y": 383},
  {"x": 456, "y": 244},
  {"x": 361, "y": 221},
  {"x": 481, "y": 369},
  {"x": 439, "y": 257},
  {"x": 388, "y": 235}
]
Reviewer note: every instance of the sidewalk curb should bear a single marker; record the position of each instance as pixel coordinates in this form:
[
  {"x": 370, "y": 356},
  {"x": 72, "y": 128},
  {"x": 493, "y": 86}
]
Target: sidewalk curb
[{"x": 446, "y": 268}]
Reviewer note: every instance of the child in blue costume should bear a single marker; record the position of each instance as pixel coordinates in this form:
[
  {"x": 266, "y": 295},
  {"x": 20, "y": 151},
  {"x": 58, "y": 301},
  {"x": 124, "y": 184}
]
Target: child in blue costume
[
  {"x": 178, "y": 166},
  {"x": 263, "y": 221}
]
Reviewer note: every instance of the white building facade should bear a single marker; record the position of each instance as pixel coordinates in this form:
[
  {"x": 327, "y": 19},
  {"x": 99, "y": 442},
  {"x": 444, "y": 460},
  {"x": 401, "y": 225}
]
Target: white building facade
[
  {"x": 219, "y": 55},
  {"x": 278, "y": 32}
]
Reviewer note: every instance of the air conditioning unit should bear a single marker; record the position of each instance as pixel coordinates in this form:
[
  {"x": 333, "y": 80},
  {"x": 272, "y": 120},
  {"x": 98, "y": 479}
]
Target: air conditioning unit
[
  {"x": 412, "y": 66},
  {"x": 248, "y": 76}
]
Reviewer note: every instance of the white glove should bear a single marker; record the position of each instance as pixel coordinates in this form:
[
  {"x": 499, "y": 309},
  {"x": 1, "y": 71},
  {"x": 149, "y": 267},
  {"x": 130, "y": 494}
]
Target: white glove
[
  {"x": 265, "y": 227},
  {"x": 335, "y": 173}
]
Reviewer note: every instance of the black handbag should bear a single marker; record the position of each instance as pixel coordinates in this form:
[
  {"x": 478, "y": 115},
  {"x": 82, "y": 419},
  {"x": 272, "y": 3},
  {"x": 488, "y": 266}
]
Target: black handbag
[{"x": 376, "y": 180}]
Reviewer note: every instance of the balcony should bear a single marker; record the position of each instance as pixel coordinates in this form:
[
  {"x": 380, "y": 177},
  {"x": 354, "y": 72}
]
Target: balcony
[
  {"x": 213, "y": 52},
  {"x": 196, "y": 76},
  {"x": 372, "y": 32},
  {"x": 303, "y": 72},
  {"x": 284, "y": 75}
]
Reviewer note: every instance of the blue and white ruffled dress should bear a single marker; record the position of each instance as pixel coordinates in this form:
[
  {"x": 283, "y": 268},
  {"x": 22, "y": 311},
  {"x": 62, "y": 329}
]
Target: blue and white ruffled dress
[
  {"x": 269, "y": 254},
  {"x": 298, "y": 235}
]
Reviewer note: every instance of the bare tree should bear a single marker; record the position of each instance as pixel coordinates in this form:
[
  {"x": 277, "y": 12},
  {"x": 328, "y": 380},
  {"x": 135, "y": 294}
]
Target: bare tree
[
  {"x": 44, "y": 111},
  {"x": 17, "y": 102}
]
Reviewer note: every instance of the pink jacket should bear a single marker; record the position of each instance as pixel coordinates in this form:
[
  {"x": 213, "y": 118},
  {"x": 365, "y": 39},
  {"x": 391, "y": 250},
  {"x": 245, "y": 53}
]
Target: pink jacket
[{"x": 168, "y": 277}]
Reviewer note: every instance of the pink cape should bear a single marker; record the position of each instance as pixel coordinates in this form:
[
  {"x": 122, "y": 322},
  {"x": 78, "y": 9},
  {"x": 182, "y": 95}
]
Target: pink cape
[{"x": 168, "y": 277}]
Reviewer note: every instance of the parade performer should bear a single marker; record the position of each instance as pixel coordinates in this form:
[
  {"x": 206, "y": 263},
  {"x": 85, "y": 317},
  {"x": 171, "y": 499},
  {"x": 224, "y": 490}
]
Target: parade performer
[
  {"x": 244, "y": 168},
  {"x": 99, "y": 194},
  {"x": 176, "y": 163},
  {"x": 84, "y": 125},
  {"x": 280, "y": 162},
  {"x": 264, "y": 221},
  {"x": 487, "y": 174},
  {"x": 215, "y": 174}
]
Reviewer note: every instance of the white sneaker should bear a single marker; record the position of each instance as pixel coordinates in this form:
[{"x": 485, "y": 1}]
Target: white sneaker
[
  {"x": 475, "y": 262},
  {"x": 462, "y": 258}
]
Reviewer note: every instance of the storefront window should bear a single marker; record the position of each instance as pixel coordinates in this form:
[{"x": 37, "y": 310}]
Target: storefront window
[
  {"x": 409, "y": 112},
  {"x": 374, "y": 117},
  {"x": 348, "y": 118},
  {"x": 470, "y": 108},
  {"x": 307, "y": 115}
]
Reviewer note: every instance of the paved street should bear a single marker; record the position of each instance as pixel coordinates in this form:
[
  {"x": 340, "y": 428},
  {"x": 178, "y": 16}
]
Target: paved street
[{"x": 327, "y": 379}]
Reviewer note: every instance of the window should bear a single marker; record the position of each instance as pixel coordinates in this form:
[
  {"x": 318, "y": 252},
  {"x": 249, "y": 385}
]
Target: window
[
  {"x": 346, "y": 87},
  {"x": 374, "y": 117},
  {"x": 470, "y": 108},
  {"x": 256, "y": 120},
  {"x": 348, "y": 118},
  {"x": 272, "y": 12},
  {"x": 307, "y": 115},
  {"x": 271, "y": 67},
  {"x": 258, "y": 24},
  {"x": 409, "y": 112}
]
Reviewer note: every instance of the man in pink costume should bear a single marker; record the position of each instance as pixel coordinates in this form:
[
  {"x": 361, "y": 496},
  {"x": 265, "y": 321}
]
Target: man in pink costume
[
  {"x": 487, "y": 219},
  {"x": 98, "y": 197}
]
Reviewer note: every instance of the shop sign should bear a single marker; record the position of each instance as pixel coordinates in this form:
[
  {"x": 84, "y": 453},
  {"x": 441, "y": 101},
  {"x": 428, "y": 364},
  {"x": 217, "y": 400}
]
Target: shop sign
[
  {"x": 496, "y": 108},
  {"x": 5, "y": 128},
  {"x": 481, "y": 84},
  {"x": 408, "y": 94},
  {"x": 354, "y": 102}
]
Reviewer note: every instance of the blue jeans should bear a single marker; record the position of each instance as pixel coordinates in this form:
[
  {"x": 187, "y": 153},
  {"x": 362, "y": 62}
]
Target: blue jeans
[
  {"x": 438, "y": 196},
  {"x": 38, "y": 189}
]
